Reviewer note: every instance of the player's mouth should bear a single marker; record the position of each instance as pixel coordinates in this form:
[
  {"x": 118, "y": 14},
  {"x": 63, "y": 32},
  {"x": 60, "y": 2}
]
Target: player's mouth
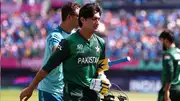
[{"x": 96, "y": 26}]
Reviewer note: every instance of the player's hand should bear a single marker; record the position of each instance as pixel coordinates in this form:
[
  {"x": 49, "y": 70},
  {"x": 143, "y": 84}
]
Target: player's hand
[
  {"x": 26, "y": 94},
  {"x": 166, "y": 96},
  {"x": 101, "y": 86},
  {"x": 103, "y": 65},
  {"x": 102, "y": 76},
  {"x": 167, "y": 99}
]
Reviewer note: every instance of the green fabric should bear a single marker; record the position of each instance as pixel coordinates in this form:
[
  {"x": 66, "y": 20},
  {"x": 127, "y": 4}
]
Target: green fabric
[
  {"x": 171, "y": 68},
  {"x": 79, "y": 57},
  {"x": 73, "y": 92}
]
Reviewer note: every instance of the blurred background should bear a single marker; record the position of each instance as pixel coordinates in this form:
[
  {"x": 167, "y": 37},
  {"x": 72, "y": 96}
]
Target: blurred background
[{"x": 130, "y": 28}]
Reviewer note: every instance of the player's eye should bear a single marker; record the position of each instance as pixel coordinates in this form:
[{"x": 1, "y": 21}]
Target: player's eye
[{"x": 94, "y": 18}]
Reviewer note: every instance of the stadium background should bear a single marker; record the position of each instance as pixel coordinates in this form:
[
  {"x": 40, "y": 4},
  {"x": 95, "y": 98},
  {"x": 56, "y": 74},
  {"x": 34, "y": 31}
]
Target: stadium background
[{"x": 130, "y": 28}]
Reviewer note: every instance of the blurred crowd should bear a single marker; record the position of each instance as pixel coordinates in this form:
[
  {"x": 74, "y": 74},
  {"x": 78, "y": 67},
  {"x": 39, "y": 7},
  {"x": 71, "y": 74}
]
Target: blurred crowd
[
  {"x": 23, "y": 34},
  {"x": 136, "y": 33}
]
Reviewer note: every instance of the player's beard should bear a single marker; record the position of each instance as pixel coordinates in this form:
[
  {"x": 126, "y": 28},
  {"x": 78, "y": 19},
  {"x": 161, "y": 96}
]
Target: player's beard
[{"x": 164, "y": 47}]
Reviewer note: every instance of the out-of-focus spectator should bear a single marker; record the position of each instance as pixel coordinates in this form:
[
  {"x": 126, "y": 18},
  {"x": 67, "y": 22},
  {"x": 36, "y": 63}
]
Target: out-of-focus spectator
[{"x": 134, "y": 34}]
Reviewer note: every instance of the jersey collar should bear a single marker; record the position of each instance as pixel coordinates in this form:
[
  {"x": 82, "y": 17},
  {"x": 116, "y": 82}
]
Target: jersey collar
[
  {"x": 61, "y": 29},
  {"x": 88, "y": 41}
]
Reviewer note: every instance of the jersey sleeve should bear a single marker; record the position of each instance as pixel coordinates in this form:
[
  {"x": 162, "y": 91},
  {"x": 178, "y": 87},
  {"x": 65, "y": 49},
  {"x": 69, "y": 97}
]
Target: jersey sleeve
[
  {"x": 168, "y": 67},
  {"x": 61, "y": 54},
  {"x": 54, "y": 39}
]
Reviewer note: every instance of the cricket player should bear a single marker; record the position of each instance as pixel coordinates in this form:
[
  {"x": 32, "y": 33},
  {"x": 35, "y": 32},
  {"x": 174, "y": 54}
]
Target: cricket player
[
  {"x": 51, "y": 87},
  {"x": 80, "y": 53},
  {"x": 170, "y": 90}
]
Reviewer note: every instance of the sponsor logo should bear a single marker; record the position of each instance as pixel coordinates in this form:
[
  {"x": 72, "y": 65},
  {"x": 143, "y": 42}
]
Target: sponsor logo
[{"x": 145, "y": 85}]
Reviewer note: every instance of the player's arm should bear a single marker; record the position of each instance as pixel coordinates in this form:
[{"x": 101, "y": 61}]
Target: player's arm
[
  {"x": 57, "y": 57},
  {"x": 53, "y": 41},
  {"x": 167, "y": 92},
  {"x": 62, "y": 53},
  {"x": 27, "y": 92},
  {"x": 168, "y": 66},
  {"x": 54, "y": 48}
]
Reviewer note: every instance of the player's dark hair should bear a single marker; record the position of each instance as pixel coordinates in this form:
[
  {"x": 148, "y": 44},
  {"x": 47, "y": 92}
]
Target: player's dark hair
[
  {"x": 88, "y": 11},
  {"x": 167, "y": 34},
  {"x": 69, "y": 9}
]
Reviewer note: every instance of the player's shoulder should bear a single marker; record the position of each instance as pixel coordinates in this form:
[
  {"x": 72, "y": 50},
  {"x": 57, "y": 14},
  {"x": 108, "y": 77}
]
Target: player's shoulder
[
  {"x": 167, "y": 55},
  {"x": 99, "y": 38},
  {"x": 73, "y": 36},
  {"x": 56, "y": 33},
  {"x": 173, "y": 53},
  {"x": 178, "y": 50}
]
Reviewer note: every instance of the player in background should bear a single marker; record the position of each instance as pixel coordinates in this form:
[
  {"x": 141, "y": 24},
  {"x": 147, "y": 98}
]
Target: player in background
[
  {"x": 170, "y": 77},
  {"x": 80, "y": 53},
  {"x": 51, "y": 87}
]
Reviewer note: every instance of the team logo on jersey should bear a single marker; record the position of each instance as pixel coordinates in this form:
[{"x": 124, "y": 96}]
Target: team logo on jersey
[
  {"x": 59, "y": 47},
  {"x": 97, "y": 49},
  {"x": 80, "y": 48}
]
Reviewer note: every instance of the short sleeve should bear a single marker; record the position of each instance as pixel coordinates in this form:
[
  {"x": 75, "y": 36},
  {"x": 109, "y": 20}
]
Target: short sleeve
[
  {"x": 54, "y": 39},
  {"x": 168, "y": 67}
]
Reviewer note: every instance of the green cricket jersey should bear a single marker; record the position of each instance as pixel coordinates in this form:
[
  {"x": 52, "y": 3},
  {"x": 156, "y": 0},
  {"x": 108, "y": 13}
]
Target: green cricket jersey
[
  {"x": 79, "y": 57},
  {"x": 171, "y": 68}
]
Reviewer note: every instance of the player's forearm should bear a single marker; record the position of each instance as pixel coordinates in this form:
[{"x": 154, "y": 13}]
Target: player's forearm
[
  {"x": 39, "y": 76},
  {"x": 167, "y": 89},
  {"x": 54, "y": 48}
]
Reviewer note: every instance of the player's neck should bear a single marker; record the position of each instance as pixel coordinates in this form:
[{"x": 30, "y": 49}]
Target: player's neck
[
  {"x": 85, "y": 33},
  {"x": 66, "y": 27},
  {"x": 172, "y": 45}
]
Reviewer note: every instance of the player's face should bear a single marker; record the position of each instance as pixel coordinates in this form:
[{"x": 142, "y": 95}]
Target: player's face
[
  {"x": 75, "y": 18},
  {"x": 92, "y": 23},
  {"x": 163, "y": 42}
]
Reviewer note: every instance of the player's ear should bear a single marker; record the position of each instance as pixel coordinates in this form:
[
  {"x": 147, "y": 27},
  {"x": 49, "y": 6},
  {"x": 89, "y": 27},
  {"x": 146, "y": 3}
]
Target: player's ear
[
  {"x": 82, "y": 20},
  {"x": 69, "y": 17}
]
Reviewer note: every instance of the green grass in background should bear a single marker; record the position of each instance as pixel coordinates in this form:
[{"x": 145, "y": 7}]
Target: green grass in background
[{"x": 13, "y": 95}]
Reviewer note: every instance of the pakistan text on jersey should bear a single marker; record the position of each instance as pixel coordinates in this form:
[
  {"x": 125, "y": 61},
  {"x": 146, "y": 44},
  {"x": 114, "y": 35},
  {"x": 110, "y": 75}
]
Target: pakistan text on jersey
[{"x": 87, "y": 60}]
